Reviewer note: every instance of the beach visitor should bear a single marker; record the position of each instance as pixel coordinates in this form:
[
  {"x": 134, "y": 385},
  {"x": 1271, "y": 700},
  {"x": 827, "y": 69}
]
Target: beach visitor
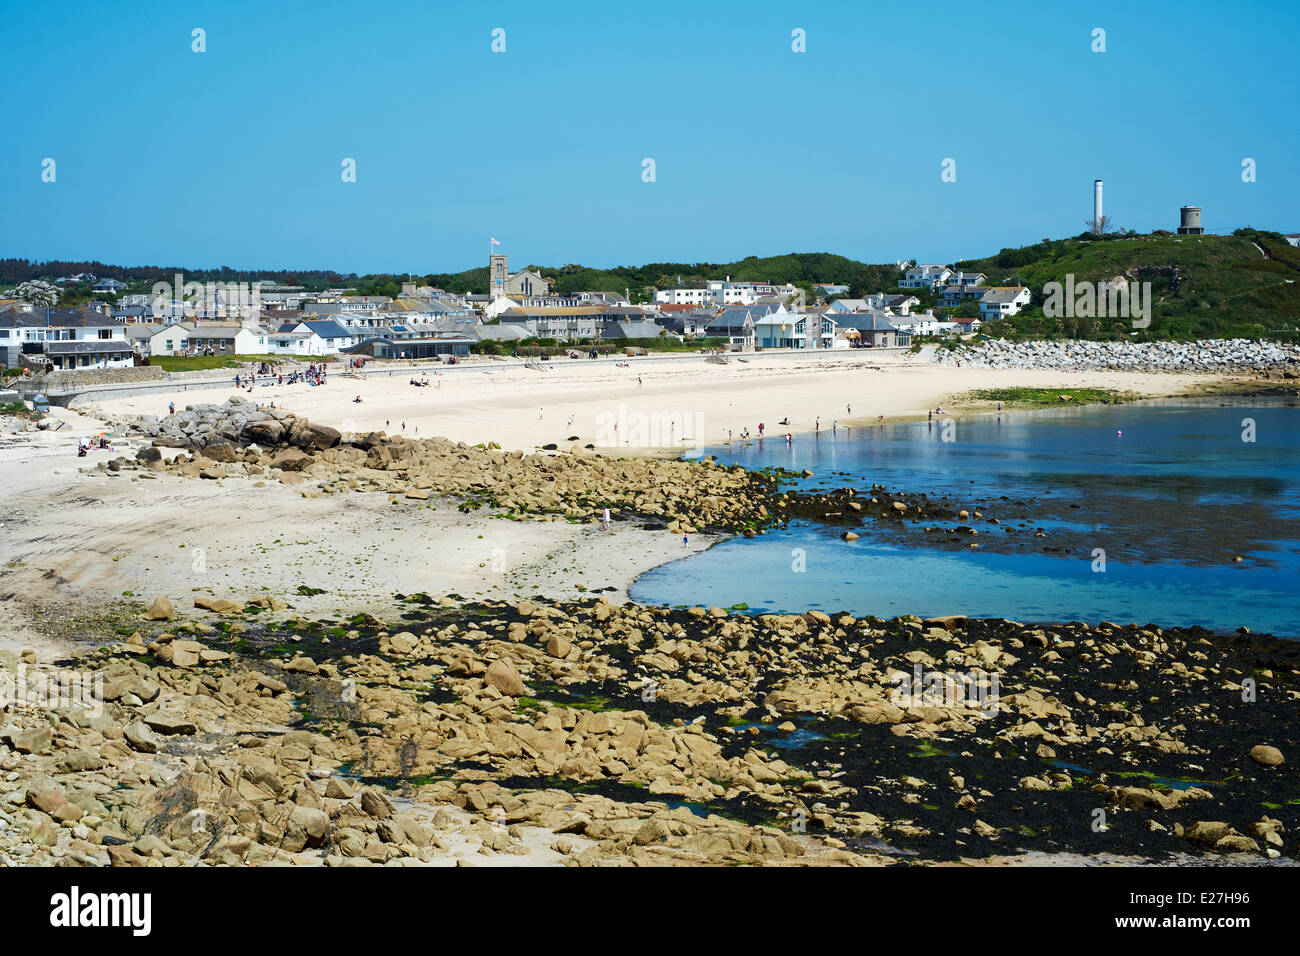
[{"x": 171, "y": 408}]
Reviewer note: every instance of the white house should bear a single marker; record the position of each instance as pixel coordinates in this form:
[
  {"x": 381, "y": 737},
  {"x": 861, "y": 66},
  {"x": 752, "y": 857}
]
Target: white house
[
  {"x": 926, "y": 325},
  {"x": 795, "y": 330},
  {"x": 924, "y": 277},
  {"x": 329, "y": 336},
  {"x": 1003, "y": 301},
  {"x": 695, "y": 297},
  {"x": 66, "y": 338}
]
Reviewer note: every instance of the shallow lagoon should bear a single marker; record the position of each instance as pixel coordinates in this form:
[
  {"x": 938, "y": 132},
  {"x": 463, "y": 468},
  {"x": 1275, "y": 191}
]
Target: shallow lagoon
[{"x": 1172, "y": 501}]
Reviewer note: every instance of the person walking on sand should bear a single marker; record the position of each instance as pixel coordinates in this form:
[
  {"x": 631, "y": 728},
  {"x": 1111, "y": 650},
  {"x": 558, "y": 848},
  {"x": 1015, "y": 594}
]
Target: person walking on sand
[
  {"x": 848, "y": 409},
  {"x": 171, "y": 408},
  {"x": 686, "y": 541},
  {"x": 604, "y": 522},
  {"x": 539, "y": 414}
]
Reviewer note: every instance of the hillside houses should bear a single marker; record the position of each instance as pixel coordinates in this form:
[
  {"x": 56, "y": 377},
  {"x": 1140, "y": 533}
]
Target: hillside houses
[{"x": 924, "y": 277}]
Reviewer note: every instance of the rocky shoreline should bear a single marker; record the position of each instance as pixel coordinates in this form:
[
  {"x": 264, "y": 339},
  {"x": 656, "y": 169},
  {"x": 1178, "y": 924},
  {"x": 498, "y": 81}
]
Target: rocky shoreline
[
  {"x": 594, "y": 734},
  {"x": 237, "y": 440},
  {"x": 440, "y": 731},
  {"x": 1209, "y": 355}
]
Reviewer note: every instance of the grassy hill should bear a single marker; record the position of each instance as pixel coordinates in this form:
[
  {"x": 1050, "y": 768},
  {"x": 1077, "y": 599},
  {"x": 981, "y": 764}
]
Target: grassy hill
[{"x": 1202, "y": 286}]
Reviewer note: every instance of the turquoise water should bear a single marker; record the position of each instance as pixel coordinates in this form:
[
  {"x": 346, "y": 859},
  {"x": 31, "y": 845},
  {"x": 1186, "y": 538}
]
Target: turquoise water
[{"x": 1171, "y": 502}]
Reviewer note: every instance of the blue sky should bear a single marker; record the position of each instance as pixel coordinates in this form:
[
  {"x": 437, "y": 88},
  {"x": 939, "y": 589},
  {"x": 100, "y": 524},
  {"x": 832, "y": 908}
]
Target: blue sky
[{"x": 233, "y": 156}]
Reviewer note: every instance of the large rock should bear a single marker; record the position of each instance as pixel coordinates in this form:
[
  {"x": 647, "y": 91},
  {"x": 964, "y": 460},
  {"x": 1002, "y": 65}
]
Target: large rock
[
  {"x": 37, "y": 740},
  {"x": 171, "y": 724},
  {"x": 304, "y": 434},
  {"x": 160, "y": 610},
  {"x": 140, "y": 737},
  {"x": 502, "y": 675},
  {"x": 222, "y": 450},
  {"x": 1267, "y": 756},
  {"x": 267, "y": 433},
  {"x": 218, "y": 605},
  {"x": 290, "y": 459}
]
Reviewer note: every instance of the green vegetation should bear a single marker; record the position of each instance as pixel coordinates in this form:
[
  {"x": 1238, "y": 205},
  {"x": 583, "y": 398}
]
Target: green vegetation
[
  {"x": 639, "y": 282},
  {"x": 1050, "y": 397},
  {"x": 1201, "y": 286},
  {"x": 195, "y": 363}
]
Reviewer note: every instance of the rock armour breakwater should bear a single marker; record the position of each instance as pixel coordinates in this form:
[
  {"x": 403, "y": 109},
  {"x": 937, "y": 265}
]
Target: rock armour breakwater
[{"x": 1218, "y": 355}]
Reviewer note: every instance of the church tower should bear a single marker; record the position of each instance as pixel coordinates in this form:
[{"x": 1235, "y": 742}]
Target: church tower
[{"x": 498, "y": 273}]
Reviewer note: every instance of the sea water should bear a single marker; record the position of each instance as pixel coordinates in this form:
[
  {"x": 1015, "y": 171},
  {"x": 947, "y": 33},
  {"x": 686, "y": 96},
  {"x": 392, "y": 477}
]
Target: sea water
[{"x": 1150, "y": 503}]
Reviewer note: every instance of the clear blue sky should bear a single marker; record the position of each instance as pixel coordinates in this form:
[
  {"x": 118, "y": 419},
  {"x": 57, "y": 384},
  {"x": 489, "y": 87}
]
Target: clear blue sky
[{"x": 232, "y": 157}]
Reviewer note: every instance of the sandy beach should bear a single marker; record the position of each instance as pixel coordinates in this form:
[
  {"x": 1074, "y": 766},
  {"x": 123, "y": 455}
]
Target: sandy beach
[
  {"x": 521, "y": 408},
  {"x": 73, "y": 540},
  {"x": 504, "y": 716}
]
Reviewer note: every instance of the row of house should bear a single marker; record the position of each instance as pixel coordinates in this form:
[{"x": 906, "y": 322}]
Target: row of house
[{"x": 422, "y": 321}]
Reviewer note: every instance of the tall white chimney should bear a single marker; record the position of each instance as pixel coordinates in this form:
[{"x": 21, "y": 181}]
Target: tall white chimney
[{"x": 1096, "y": 205}]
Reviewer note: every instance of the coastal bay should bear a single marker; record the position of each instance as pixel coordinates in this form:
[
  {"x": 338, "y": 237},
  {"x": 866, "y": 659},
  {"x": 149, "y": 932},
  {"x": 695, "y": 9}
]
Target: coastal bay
[{"x": 443, "y": 633}]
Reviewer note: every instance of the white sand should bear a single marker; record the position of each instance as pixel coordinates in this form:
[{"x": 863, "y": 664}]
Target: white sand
[
  {"x": 71, "y": 537},
  {"x": 492, "y": 402}
]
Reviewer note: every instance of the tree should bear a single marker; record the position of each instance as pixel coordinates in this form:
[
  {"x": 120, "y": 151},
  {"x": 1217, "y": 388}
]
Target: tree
[
  {"x": 1099, "y": 226},
  {"x": 36, "y": 292}
]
